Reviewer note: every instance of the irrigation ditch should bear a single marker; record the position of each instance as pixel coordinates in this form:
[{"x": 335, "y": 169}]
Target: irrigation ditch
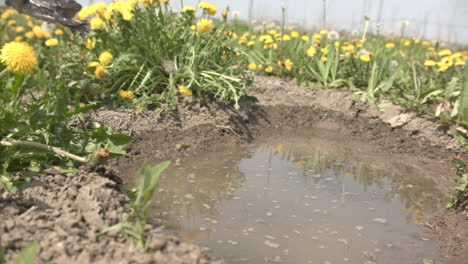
[{"x": 65, "y": 212}]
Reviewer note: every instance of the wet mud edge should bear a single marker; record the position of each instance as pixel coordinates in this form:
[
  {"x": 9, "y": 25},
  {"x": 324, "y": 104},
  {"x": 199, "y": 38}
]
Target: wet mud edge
[{"x": 64, "y": 213}]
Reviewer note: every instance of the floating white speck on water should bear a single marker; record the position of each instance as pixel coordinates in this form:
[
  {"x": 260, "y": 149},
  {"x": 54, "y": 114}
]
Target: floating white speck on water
[
  {"x": 343, "y": 240},
  {"x": 270, "y": 237},
  {"x": 268, "y": 243},
  {"x": 269, "y": 214},
  {"x": 189, "y": 196},
  {"x": 206, "y": 206},
  {"x": 380, "y": 220},
  {"x": 359, "y": 228}
]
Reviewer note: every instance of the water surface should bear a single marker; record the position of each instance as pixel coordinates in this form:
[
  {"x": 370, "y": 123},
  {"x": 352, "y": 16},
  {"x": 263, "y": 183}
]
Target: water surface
[{"x": 298, "y": 199}]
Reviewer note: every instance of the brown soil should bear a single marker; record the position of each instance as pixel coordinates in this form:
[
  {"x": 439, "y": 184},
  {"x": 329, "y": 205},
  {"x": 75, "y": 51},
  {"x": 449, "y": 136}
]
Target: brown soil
[{"x": 69, "y": 211}]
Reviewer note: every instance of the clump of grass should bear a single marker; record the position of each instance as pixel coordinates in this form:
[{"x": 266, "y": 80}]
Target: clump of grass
[
  {"x": 133, "y": 227},
  {"x": 161, "y": 55}
]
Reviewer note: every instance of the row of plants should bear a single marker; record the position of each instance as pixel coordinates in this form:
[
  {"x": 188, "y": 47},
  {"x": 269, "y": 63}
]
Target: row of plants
[{"x": 410, "y": 72}]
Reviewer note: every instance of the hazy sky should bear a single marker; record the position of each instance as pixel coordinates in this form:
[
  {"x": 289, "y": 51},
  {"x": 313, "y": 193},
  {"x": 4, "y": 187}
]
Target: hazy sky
[{"x": 444, "y": 20}]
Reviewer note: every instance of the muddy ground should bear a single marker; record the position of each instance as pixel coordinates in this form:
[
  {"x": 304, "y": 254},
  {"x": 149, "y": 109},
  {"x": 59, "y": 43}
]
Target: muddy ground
[{"x": 66, "y": 212}]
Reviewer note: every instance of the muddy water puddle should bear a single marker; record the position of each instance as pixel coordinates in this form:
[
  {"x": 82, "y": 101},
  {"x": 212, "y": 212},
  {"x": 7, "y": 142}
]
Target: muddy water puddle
[{"x": 299, "y": 199}]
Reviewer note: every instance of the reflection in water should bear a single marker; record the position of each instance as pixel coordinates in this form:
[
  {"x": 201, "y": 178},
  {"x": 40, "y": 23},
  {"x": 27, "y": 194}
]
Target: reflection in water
[{"x": 295, "y": 200}]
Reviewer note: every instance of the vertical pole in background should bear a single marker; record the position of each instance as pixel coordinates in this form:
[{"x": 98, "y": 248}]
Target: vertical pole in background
[
  {"x": 426, "y": 16},
  {"x": 379, "y": 16},
  {"x": 250, "y": 11},
  {"x": 324, "y": 15}
]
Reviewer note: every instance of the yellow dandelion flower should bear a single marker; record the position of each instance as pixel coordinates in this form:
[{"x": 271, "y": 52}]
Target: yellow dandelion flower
[
  {"x": 305, "y": 38},
  {"x": 311, "y": 52},
  {"x": 323, "y": 32},
  {"x": 94, "y": 64},
  {"x": 269, "y": 69},
  {"x": 294, "y": 34},
  {"x": 188, "y": 9},
  {"x": 337, "y": 45},
  {"x": 19, "y": 38},
  {"x": 58, "y": 32},
  {"x": 105, "y": 58},
  {"x": 323, "y": 59},
  {"x": 446, "y": 62},
  {"x": 19, "y": 58},
  {"x": 127, "y": 95},
  {"x": 38, "y": 32},
  {"x": 250, "y": 43},
  {"x": 204, "y": 25},
  {"x": 185, "y": 91},
  {"x": 390, "y": 45},
  {"x": 224, "y": 14},
  {"x": 96, "y": 23},
  {"x": 429, "y": 63},
  {"x": 19, "y": 29},
  {"x": 324, "y": 51},
  {"x": 288, "y": 64},
  {"x": 51, "y": 42},
  {"x": 365, "y": 58},
  {"x": 208, "y": 7},
  {"x": 445, "y": 52},
  {"x": 29, "y": 35},
  {"x": 11, "y": 22},
  {"x": 442, "y": 69},
  {"x": 90, "y": 44},
  {"x": 252, "y": 67},
  {"x": 8, "y": 12},
  {"x": 100, "y": 72},
  {"x": 459, "y": 62},
  {"x": 426, "y": 44}
]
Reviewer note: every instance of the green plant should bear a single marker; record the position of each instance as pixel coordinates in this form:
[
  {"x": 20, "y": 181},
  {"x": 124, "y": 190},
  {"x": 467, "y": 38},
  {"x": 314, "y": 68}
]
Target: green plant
[
  {"x": 376, "y": 87},
  {"x": 461, "y": 189},
  {"x": 2, "y": 255},
  {"x": 27, "y": 255},
  {"x": 36, "y": 133},
  {"x": 133, "y": 227},
  {"x": 159, "y": 51},
  {"x": 326, "y": 72}
]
